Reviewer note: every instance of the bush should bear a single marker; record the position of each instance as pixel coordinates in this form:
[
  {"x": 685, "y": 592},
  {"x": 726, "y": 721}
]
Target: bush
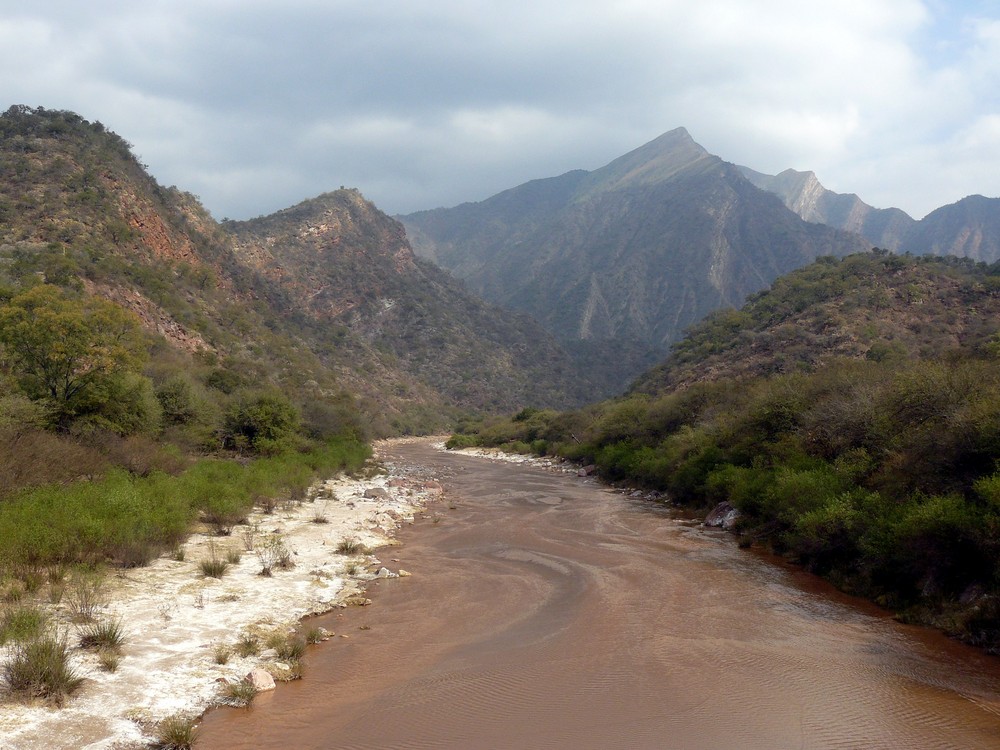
[
  {"x": 40, "y": 669},
  {"x": 263, "y": 422}
]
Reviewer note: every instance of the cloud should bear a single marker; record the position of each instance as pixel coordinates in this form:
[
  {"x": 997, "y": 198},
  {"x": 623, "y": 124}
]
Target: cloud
[{"x": 254, "y": 105}]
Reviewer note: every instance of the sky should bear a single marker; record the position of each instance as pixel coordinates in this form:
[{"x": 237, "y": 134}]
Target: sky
[{"x": 255, "y": 105}]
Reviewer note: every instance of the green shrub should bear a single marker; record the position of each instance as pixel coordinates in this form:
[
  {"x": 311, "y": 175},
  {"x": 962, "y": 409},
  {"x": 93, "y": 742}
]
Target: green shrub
[
  {"x": 262, "y": 422},
  {"x": 40, "y": 669},
  {"x": 22, "y": 623}
]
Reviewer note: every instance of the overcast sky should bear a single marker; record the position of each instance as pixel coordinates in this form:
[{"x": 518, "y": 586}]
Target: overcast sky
[{"x": 256, "y": 105}]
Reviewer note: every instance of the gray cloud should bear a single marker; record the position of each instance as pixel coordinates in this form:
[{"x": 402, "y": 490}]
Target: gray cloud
[{"x": 257, "y": 105}]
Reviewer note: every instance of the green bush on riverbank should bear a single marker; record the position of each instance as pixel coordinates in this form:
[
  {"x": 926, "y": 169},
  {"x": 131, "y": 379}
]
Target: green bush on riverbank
[{"x": 880, "y": 476}]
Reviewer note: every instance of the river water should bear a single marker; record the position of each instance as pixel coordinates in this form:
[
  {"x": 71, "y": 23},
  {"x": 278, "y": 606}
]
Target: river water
[{"x": 545, "y": 611}]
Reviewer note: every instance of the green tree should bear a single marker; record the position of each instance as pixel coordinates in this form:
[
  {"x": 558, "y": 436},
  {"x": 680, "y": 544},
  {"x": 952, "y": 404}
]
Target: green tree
[
  {"x": 263, "y": 421},
  {"x": 64, "y": 350}
]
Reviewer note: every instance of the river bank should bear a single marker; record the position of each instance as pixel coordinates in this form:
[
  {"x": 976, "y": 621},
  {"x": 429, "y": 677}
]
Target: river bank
[{"x": 176, "y": 619}]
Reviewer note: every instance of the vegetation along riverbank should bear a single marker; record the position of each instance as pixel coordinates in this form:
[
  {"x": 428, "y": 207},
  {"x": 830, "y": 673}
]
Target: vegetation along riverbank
[{"x": 851, "y": 414}]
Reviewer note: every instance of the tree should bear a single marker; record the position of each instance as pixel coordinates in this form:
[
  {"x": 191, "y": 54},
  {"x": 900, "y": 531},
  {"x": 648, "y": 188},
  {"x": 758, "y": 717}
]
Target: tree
[
  {"x": 263, "y": 421},
  {"x": 64, "y": 350}
]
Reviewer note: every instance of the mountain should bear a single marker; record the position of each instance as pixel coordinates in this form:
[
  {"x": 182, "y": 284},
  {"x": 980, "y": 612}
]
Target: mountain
[
  {"x": 324, "y": 301},
  {"x": 803, "y": 194},
  {"x": 349, "y": 267},
  {"x": 969, "y": 228},
  {"x": 628, "y": 255}
]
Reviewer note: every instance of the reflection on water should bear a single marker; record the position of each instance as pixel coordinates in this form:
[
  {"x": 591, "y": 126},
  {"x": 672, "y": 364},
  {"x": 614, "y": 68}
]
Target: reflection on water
[{"x": 545, "y": 612}]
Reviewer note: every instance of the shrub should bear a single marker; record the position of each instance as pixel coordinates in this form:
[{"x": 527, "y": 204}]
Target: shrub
[
  {"x": 176, "y": 733},
  {"x": 264, "y": 422},
  {"x": 40, "y": 669},
  {"x": 21, "y": 623}
]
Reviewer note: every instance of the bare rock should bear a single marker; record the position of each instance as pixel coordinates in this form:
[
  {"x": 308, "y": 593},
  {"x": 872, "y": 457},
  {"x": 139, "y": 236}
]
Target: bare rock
[
  {"x": 723, "y": 515},
  {"x": 404, "y": 573},
  {"x": 377, "y": 493},
  {"x": 260, "y": 679}
]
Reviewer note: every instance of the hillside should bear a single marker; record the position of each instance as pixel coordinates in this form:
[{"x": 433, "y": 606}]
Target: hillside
[
  {"x": 633, "y": 252},
  {"x": 350, "y": 269},
  {"x": 969, "y": 228},
  {"x": 872, "y": 306},
  {"x": 79, "y": 211}
]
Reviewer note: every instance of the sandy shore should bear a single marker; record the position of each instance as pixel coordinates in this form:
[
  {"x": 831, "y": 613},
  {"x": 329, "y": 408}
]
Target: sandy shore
[{"x": 174, "y": 617}]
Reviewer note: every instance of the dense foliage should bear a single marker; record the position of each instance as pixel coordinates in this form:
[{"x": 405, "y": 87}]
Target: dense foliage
[{"x": 880, "y": 473}]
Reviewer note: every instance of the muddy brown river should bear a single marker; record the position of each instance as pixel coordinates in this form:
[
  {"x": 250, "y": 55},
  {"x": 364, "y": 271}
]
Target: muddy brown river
[{"x": 545, "y": 611}]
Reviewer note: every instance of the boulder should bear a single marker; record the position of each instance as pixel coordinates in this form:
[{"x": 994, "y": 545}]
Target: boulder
[
  {"x": 377, "y": 493},
  {"x": 260, "y": 679},
  {"x": 586, "y": 471},
  {"x": 723, "y": 515}
]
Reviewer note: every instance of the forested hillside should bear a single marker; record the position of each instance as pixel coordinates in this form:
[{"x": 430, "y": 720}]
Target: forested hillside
[{"x": 851, "y": 414}]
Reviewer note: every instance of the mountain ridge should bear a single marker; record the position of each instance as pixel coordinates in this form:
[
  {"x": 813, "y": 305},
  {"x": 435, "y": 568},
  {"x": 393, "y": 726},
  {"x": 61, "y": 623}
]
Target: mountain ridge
[{"x": 634, "y": 251}]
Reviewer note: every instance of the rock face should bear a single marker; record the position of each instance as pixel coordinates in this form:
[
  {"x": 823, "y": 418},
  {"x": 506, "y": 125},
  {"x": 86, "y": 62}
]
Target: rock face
[
  {"x": 802, "y": 192},
  {"x": 619, "y": 261}
]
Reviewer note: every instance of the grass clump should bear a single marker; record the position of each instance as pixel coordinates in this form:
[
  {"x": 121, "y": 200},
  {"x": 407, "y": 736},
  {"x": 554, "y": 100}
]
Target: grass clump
[
  {"x": 221, "y": 653},
  {"x": 22, "y": 623},
  {"x": 247, "y": 645},
  {"x": 104, "y": 636},
  {"x": 40, "y": 669},
  {"x": 239, "y": 693},
  {"x": 109, "y": 660},
  {"x": 315, "y": 635},
  {"x": 291, "y": 649},
  {"x": 214, "y": 566},
  {"x": 351, "y": 546},
  {"x": 176, "y": 733}
]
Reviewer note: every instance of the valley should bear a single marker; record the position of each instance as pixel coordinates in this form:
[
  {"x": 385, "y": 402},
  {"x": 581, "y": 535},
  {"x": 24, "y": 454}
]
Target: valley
[{"x": 703, "y": 334}]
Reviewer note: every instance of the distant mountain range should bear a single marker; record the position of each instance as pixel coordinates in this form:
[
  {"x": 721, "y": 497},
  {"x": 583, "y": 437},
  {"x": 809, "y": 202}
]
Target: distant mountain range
[
  {"x": 628, "y": 255},
  {"x": 618, "y": 262},
  {"x": 969, "y": 228}
]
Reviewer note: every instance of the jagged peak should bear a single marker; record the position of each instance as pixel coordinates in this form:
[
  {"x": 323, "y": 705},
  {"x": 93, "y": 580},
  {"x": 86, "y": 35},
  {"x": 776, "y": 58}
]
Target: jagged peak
[{"x": 657, "y": 161}]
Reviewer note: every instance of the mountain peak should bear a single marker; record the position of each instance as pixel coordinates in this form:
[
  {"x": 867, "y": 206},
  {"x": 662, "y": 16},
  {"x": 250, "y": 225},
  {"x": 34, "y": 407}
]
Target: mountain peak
[{"x": 657, "y": 161}]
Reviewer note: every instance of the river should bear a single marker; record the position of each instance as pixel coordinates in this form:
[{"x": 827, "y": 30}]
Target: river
[{"x": 545, "y": 611}]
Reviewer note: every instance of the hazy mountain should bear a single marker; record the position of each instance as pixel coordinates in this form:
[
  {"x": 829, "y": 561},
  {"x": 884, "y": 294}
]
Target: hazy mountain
[
  {"x": 633, "y": 252},
  {"x": 803, "y": 194},
  {"x": 969, "y": 228}
]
